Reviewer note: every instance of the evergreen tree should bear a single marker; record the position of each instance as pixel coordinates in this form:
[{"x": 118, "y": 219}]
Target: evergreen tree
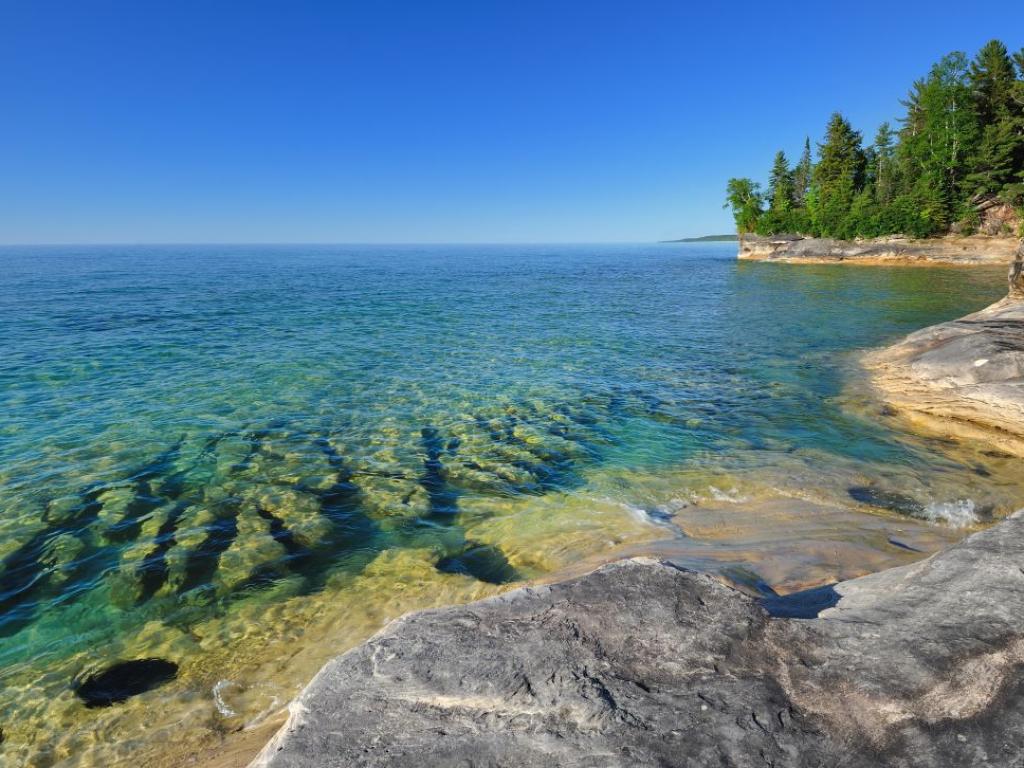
[
  {"x": 994, "y": 86},
  {"x": 940, "y": 137},
  {"x": 883, "y": 165},
  {"x": 1014, "y": 191},
  {"x": 992, "y": 78},
  {"x": 802, "y": 176},
  {"x": 962, "y": 134},
  {"x": 913, "y": 128},
  {"x": 743, "y": 196},
  {"x": 780, "y": 185},
  {"x": 837, "y": 178},
  {"x": 996, "y": 163}
]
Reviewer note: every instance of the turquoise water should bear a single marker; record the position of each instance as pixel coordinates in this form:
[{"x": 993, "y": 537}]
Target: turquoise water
[{"x": 197, "y": 440}]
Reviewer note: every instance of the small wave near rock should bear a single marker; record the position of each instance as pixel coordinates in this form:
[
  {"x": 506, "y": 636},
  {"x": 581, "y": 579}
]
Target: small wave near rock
[{"x": 958, "y": 514}]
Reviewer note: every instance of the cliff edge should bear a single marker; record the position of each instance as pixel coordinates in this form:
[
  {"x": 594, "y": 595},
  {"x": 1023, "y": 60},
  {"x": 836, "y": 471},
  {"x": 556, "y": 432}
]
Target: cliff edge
[{"x": 966, "y": 251}]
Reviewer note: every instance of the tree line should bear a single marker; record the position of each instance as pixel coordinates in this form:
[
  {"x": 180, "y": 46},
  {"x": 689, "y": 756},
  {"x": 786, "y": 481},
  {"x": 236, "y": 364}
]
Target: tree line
[{"x": 960, "y": 140}]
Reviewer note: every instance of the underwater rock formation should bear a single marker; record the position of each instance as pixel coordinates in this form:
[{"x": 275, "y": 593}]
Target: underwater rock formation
[{"x": 121, "y": 681}]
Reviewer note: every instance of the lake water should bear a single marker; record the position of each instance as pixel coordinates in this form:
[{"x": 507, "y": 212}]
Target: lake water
[{"x": 242, "y": 460}]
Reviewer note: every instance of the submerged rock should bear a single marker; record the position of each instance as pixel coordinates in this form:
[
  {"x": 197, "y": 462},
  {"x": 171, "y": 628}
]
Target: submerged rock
[
  {"x": 482, "y": 562},
  {"x": 125, "y": 679},
  {"x": 894, "y": 502},
  {"x": 641, "y": 663}
]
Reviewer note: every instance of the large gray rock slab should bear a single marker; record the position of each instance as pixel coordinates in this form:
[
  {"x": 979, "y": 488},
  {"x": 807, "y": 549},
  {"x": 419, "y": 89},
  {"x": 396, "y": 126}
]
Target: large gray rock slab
[{"x": 641, "y": 663}]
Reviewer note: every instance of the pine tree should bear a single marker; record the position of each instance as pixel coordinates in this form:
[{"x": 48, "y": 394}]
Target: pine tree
[
  {"x": 991, "y": 78},
  {"x": 940, "y": 137},
  {"x": 838, "y": 176},
  {"x": 802, "y": 176},
  {"x": 780, "y": 185},
  {"x": 962, "y": 134},
  {"x": 995, "y": 164},
  {"x": 994, "y": 86},
  {"x": 1014, "y": 191},
  {"x": 884, "y": 165}
]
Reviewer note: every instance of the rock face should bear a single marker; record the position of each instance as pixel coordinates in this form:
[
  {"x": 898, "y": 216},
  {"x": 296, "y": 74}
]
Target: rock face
[
  {"x": 976, "y": 249},
  {"x": 1017, "y": 274},
  {"x": 965, "y": 377},
  {"x": 996, "y": 217},
  {"x": 641, "y": 663}
]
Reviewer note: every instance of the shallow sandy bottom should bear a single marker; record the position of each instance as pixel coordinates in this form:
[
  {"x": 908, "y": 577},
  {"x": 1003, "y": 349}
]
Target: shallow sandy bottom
[
  {"x": 790, "y": 544},
  {"x": 782, "y": 529},
  {"x": 782, "y": 544}
]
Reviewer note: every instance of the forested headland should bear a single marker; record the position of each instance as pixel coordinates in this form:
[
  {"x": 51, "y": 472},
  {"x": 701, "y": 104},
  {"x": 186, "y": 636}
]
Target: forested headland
[{"x": 958, "y": 147}]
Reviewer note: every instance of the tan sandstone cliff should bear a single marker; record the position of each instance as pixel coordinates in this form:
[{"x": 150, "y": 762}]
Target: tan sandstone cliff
[{"x": 966, "y": 377}]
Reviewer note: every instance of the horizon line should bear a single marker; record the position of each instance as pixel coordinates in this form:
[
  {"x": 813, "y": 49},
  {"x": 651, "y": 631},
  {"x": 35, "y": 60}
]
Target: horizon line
[{"x": 151, "y": 243}]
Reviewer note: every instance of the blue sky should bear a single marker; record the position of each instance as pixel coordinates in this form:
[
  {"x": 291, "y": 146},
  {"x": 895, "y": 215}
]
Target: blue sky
[{"x": 209, "y": 121}]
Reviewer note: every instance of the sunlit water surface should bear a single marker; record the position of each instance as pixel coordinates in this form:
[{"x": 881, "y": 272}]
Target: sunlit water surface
[{"x": 243, "y": 460}]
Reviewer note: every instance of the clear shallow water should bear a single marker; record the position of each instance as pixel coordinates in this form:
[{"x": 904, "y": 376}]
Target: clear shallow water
[{"x": 243, "y": 459}]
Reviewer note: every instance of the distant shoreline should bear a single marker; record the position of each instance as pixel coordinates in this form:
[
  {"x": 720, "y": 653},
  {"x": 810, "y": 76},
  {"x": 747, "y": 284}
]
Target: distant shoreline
[{"x": 705, "y": 239}]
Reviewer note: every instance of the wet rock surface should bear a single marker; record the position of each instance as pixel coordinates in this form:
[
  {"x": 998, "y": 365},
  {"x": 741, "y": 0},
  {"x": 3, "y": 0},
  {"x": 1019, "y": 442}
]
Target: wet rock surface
[{"x": 644, "y": 663}]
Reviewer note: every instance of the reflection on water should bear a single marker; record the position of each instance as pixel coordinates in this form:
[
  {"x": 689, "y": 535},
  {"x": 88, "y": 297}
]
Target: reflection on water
[{"x": 238, "y": 462}]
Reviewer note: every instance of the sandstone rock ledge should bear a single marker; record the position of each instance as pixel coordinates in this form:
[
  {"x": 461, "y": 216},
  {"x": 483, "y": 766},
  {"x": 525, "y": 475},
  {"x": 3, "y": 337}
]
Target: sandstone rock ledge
[
  {"x": 966, "y": 251},
  {"x": 641, "y": 663},
  {"x": 964, "y": 378}
]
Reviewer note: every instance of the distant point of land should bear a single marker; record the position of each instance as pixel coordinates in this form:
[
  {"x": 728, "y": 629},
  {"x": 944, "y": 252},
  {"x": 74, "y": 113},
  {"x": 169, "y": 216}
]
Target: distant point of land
[{"x": 705, "y": 239}]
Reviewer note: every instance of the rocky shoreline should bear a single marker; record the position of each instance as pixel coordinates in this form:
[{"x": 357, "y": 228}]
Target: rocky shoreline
[
  {"x": 964, "y": 378},
  {"x": 643, "y": 662},
  {"x": 955, "y": 250}
]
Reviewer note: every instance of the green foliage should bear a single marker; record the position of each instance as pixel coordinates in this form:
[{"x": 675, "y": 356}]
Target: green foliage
[
  {"x": 940, "y": 134},
  {"x": 743, "y": 196},
  {"x": 837, "y": 177},
  {"x": 787, "y": 221},
  {"x": 961, "y": 137},
  {"x": 780, "y": 185},
  {"x": 992, "y": 78},
  {"x": 883, "y": 168},
  {"x": 969, "y": 221},
  {"x": 996, "y": 160},
  {"x": 802, "y": 175}
]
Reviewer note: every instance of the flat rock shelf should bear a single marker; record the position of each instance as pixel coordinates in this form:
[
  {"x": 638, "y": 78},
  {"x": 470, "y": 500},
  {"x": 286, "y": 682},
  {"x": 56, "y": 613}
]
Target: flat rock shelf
[
  {"x": 963, "y": 378},
  {"x": 954, "y": 250},
  {"x": 644, "y": 663}
]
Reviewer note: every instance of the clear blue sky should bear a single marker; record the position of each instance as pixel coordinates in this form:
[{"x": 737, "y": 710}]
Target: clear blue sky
[{"x": 432, "y": 121}]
